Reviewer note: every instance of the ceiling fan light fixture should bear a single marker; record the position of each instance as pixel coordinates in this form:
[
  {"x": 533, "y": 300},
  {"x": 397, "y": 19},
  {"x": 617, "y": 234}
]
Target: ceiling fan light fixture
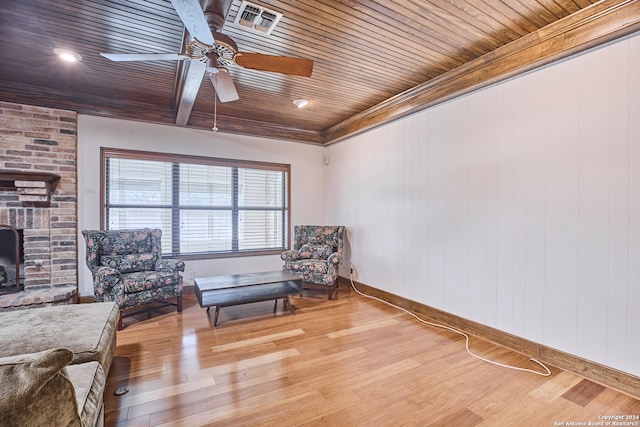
[
  {"x": 67, "y": 55},
  {"x": 300, "y": 103}
]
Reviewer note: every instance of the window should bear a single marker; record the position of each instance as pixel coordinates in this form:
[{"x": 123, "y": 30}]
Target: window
[{"x": 205, "y": 207}]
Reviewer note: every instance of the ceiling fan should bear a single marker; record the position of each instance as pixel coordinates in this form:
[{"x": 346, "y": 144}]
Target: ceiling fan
[{"x": 212, "y": 52}]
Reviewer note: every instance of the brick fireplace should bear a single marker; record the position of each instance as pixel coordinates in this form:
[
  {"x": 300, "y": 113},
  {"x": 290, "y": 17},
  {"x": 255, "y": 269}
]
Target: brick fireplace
[{"x": 38, "y": 186}]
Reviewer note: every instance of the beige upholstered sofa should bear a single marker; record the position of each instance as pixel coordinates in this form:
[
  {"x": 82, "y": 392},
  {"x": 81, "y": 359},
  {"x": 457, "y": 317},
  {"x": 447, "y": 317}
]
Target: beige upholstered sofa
[{"x": 54, "y": 363}]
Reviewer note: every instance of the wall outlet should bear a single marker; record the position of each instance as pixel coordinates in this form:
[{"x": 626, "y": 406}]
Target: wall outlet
[{"x": 192, "y": 275}]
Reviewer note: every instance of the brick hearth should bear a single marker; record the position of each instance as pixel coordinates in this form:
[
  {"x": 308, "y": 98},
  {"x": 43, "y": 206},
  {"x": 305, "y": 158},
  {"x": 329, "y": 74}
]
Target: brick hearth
[{"x": 36, "y": 139}]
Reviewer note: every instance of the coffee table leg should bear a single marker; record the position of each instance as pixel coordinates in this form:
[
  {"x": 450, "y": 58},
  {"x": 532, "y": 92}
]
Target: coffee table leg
[
  {"x": 275, "y": 305},
  {"x": 215, "y": 316}
]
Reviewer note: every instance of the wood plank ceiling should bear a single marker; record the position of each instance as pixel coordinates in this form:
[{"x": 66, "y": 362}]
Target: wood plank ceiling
[{"x": 374, "y": 60}]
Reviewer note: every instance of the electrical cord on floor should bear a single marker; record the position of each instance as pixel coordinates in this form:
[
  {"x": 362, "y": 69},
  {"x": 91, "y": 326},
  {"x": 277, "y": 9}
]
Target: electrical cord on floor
[{"x": 466, "y": 337}]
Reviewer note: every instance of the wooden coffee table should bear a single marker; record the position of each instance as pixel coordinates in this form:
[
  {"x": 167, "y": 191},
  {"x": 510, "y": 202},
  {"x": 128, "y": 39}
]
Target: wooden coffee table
[{"x": 223, "y": 291}]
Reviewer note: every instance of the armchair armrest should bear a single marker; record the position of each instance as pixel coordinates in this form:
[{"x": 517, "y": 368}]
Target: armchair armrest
[
  {"x": 106, "y": 277},
  {"x": 170, "y": 265},
  {"x": 335, "y": 258},
  {"x": 291, "y": 255}
]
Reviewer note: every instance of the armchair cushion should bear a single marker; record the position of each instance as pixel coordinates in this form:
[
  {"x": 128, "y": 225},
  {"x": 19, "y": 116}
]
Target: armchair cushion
[
  {"x": 308, "y": 267},
  {"x": 172, "y": 265},
  {"x": 315, "y": 251},
  {"x": 145, "y": 280},
  {"x": 120, "y": 242},
  {"x": 131, "y": 263}
]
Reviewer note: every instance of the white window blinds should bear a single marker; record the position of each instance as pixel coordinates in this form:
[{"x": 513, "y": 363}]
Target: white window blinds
[{"x": 204, "y": 206}]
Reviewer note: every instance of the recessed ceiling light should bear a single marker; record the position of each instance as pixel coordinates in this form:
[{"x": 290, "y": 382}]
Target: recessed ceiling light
[
  {"x": 67, "y": 55},
  {"x": 300, "y": 103}
]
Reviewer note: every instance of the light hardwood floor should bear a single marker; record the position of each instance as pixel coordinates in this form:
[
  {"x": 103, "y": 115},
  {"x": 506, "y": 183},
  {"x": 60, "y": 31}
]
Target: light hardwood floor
[{"x": 350, "y": 361}]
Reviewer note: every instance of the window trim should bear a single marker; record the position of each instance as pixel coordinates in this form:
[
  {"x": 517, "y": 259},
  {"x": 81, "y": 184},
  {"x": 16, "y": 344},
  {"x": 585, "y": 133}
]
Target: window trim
[{"x": 106, "y": 152}]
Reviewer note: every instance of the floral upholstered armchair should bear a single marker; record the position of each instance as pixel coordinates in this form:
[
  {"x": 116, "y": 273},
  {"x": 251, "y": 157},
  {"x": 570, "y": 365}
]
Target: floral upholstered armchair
[
  {"x": 128, "y": 268},
  {"x": 316, "y": 256}
]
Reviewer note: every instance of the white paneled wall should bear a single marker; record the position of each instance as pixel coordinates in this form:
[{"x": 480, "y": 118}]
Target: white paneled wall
[{"x": 517, "y": 206}]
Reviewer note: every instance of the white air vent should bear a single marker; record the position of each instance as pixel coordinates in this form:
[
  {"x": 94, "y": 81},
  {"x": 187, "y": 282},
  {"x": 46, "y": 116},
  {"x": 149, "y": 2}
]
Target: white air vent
[{"x": 256, "y": 18}]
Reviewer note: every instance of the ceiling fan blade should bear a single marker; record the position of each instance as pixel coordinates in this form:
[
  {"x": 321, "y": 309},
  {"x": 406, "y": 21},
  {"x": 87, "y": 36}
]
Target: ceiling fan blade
[
  {"x": 144, "y": 56},
  {"x": 190, "y": 11},
  {"x": 223, "y": 84},
  {"x": 276, "y": 64}
]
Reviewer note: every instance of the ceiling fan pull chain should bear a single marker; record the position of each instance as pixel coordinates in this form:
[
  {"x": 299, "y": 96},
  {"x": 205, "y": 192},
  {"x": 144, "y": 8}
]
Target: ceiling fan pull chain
[{"x": 215, "y": 111}]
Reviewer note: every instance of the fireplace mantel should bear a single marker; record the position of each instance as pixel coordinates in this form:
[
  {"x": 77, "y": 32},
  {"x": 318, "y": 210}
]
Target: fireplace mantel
[{"x": 31, "y": 186}]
